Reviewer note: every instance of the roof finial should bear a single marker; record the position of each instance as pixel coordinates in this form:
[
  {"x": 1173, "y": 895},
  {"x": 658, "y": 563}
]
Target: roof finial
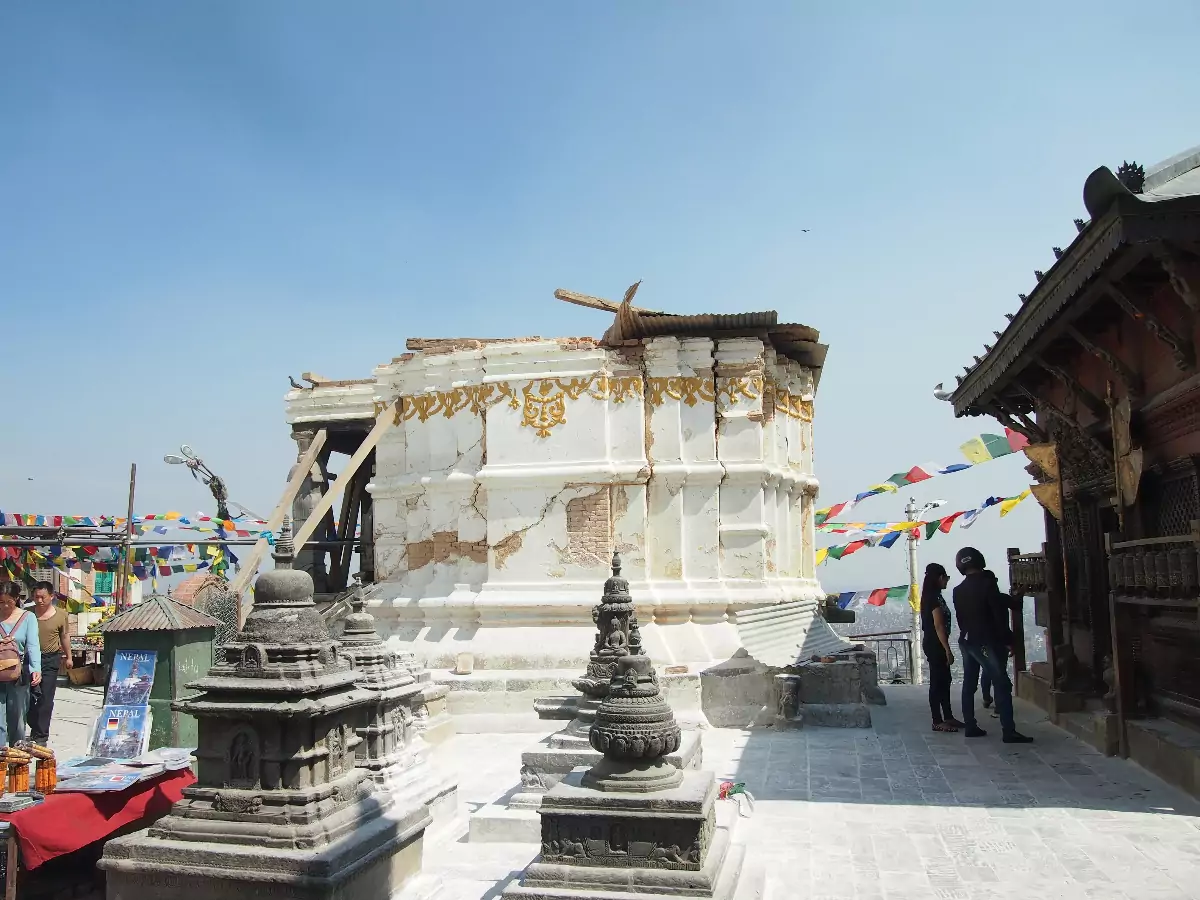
[
  {"x": 284, "y": 551},
  {"x": 616, "y": 564}
]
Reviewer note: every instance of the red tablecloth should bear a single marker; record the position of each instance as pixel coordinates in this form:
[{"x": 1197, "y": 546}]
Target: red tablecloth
[{"x": 64, "y": 823}]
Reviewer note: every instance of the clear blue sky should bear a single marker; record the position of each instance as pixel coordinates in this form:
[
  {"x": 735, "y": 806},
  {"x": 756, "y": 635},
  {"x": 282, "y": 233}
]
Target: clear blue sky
[{"x": 199, "y": 199}]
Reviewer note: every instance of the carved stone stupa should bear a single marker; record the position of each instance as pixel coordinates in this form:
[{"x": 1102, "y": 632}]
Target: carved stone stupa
[
  {"x": 279, "y": 808},
  {"x": 545, "y": 765},
  {"x": 632, "y": 824},
  {"x": 391, "y": 747}
]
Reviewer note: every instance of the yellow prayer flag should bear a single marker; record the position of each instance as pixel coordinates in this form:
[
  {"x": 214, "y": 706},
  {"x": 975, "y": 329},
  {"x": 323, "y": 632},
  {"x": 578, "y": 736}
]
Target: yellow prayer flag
[
  {"x": 172, "y": 516},
  {"x": 975, "y": 451},
  {"x": 822, "y": 554},
  {"x": 1007, "y": 506}
]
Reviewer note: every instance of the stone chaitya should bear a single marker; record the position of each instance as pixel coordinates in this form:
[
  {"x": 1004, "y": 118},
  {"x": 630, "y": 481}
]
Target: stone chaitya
[
  {"x": 515, "y": 467},
  {"x": 545, "y": 765},
  {"x": 632, "y": 824},
  {"x": 279, "y": 808},
  {"x": 391, "y": 746}
]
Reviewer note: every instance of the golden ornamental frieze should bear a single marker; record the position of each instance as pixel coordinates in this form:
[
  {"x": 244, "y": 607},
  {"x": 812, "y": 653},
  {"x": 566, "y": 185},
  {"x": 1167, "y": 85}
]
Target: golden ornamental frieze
[
  {"x": 793, "y": 405},
  {"x": 542, "y": 401},
  {"x": 689, "y": 389},
  {"x": 740, "y": 387}
]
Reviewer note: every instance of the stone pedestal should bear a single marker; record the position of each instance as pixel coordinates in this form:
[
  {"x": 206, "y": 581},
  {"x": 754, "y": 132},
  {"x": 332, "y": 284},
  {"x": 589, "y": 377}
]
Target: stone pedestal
[
  {"x": 633, "y": 824},
  {"x": 616, "y": 845},
  {"x": 545, "y": 765},
  {"x": 279, "y": 808}
]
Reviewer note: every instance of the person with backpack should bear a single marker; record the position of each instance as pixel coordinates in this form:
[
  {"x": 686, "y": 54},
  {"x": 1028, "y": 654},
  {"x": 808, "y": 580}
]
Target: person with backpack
[
  {"x": 984, "y": 641},
  {"x": 20, "y": 662}
]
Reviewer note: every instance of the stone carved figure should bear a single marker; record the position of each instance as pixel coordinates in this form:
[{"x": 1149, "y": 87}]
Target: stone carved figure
[
  {"x": 532, "y": 780},
  {"x": 237, "y": 803},
  {"x": 1110, "y": 681},
  {"x": 335, "y": 750},
  {"x": 616, "y": 635},
  {"x": 252, "y": 658},
  {"x": 243, "y": 759}
]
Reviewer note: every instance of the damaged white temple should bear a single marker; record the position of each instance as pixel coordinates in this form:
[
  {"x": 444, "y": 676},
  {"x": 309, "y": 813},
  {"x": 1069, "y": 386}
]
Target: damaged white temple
[{"x": 517, "y": 466}]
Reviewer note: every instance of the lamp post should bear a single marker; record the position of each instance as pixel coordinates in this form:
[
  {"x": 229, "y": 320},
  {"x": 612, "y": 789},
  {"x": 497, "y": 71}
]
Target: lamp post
[
  {"x": 213, "y": 482},
  {"x": 913, "y": 514},
  {"x": 204, "y": 475}
]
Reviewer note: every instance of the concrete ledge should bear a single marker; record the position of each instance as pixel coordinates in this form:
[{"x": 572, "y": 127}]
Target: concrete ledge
[
  {"x": 1098, "y": 729},
  {"x": 1169, "y": 750}
]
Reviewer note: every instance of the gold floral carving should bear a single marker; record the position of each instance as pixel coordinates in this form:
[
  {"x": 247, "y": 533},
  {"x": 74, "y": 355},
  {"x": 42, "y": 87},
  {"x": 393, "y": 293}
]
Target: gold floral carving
[
  {"x": 689, "y": 389},
  {"x": 545, "y": 406},
  {"x": 793, "y": 405},
  {"x": 542, "y": 401},
  {"x": 741, "y": 387}
]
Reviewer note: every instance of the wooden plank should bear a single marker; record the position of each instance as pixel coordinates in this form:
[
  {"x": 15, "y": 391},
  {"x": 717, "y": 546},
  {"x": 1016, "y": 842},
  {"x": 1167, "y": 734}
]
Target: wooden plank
[
  {"x": 250, "y": 566},
  {"x": 387, "y": 418},
  {"x": 1122, "y": 665},
  {"x": 12, "y": 863}
]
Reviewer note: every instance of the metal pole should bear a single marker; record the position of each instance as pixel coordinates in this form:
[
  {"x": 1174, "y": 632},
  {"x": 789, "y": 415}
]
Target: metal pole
[
  {"x": 126, "y": 567},
  {"x": 911, "y": 512}
]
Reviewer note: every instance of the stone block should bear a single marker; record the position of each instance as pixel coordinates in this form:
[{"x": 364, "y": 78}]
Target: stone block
[
  {"x": 835, "y": 715},
  {"x": 514, "y": 818},
  {"x": 371, "y": 861},
  {"x": 614, "y": 846}
]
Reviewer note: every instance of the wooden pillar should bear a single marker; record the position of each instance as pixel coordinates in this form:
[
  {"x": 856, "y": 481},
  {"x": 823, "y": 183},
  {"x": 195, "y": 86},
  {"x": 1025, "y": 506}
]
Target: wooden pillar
[
  {"x": 1122, "y": 662},
  {"x": 1056, "y": 593}
]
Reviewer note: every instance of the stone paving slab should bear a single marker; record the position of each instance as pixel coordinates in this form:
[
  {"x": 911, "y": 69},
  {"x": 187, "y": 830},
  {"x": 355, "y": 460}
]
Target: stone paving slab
[{"x": 898, "y": 812}]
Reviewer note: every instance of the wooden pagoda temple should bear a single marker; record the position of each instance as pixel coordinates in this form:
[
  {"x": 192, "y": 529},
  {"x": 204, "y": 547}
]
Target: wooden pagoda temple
[{"x": 1098, "y": 368}]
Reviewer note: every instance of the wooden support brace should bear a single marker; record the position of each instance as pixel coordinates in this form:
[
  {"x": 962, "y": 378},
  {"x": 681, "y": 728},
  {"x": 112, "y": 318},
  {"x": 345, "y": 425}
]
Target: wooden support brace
[
  {"x": 1093, "y": 403},
  {"x": 1170, "y": 263},
  {"x": 1181, "y": 347},
  {"x": 299, "y": 473},
  {"x": 1133, "y": 384},
  {"x": 386, "y": 420}
]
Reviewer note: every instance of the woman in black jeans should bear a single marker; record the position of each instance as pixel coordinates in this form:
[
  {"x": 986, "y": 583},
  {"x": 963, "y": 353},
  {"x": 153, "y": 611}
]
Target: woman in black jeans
[{"x": 935, "y": 642}]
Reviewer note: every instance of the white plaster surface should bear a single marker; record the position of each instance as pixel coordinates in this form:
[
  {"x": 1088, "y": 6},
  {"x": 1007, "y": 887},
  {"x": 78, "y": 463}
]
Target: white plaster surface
[{"x": 518, "y": 466}]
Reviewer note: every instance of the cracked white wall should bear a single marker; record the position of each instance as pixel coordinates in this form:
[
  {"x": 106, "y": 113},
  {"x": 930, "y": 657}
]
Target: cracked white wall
[{"x": 495, "y": 519}]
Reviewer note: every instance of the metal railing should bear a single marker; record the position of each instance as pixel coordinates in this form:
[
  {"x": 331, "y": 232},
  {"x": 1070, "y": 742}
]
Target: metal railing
[{"x": 893, "y": 654}]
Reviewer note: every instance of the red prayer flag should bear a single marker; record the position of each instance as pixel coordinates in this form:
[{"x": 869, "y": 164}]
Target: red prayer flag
[
  {"x": 1016, "y": 440},
  {"x": 878, "y": 597},
  {"x": 944, "y": 527},
  {"x": 915, "y": 474},
  {"x": 850, "y": 548}
]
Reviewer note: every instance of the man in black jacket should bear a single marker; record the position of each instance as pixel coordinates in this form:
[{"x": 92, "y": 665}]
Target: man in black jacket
[{"x": 984, "y": 639}]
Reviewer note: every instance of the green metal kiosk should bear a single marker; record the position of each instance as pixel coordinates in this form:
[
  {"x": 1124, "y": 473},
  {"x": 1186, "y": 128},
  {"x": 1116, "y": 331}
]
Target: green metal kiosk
[{"x": 183, "y": 640}]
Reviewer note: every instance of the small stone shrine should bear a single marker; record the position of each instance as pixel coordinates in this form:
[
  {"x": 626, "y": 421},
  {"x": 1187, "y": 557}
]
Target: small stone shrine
[
  {"x": 279, "y": 809},
  {"x": 633, "y": 824},
  {"x": 544, "y": 766},
  {"x": 391, "y": 748}
]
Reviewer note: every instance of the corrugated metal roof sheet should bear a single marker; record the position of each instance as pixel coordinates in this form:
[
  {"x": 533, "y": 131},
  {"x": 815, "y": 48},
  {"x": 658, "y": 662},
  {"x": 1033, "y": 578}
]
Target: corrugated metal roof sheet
[
  {"x": 158, "y": 613},
  {"x": 792, "y": 340},
  {"x": 788, "y": 633}
]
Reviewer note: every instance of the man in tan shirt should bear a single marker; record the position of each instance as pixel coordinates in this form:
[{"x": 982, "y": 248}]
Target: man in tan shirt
[{"x": 56, "y": 654}]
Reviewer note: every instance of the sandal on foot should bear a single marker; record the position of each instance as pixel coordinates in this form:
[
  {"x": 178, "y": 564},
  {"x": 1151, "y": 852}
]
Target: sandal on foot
[
  {"x": 956, "y": 723},
  {"x": 944, "y": 726}
]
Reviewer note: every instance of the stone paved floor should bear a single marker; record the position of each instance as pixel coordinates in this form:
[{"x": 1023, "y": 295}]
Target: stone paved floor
[{"x": 898, "y": 813}]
